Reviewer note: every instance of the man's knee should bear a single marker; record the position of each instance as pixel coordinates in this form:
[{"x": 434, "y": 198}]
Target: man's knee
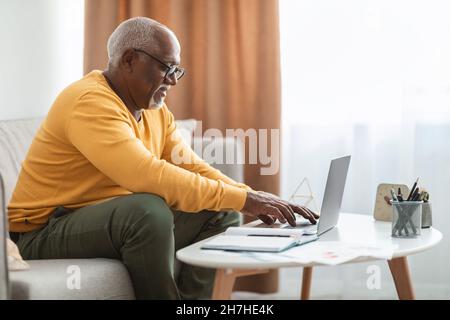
[
  {"x": 231, "y": 219},
  {"x": 147, "y": 210},
  {"x": 223, "y": 220}
]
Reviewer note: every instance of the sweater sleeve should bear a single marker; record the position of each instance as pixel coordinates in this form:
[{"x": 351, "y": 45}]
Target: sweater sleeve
[
  {"x": 102, "y": 133},
  {"x": 177, "y": 152}
]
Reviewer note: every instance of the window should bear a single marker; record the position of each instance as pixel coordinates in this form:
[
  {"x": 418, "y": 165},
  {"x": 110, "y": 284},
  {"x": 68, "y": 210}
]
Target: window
[{"x": 42, "y": 53}]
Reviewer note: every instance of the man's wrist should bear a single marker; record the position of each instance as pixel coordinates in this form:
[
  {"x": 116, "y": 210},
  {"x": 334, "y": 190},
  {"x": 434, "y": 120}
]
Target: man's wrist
[{"x": 248, "y": 201}]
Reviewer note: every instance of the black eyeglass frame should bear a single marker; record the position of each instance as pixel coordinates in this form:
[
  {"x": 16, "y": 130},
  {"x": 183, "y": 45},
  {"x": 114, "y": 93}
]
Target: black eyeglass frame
[{"x": 170, "y": 69}]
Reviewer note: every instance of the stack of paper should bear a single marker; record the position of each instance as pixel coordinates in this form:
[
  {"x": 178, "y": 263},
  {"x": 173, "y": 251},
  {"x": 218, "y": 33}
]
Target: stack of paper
[
  {"x": 276, "y": 232},
  {"x": 250, "y": 243},
  {"x": 255, "y": 239}
]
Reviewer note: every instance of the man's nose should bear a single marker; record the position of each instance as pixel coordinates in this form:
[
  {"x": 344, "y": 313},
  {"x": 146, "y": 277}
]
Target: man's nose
[{"x": 171, "y": 79}]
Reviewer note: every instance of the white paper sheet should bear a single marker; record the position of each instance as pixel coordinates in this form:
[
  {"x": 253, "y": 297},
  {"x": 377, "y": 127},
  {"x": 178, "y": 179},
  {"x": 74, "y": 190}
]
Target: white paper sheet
[
  {"x": 277, "y": 230},
  {"x": 336, "y": 252},
  {"x": 250, "y": 243},
  {"x": 330, "y": 252}
]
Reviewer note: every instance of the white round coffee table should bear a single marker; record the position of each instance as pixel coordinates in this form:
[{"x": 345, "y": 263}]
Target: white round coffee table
[{"x": 351, "y": 228}]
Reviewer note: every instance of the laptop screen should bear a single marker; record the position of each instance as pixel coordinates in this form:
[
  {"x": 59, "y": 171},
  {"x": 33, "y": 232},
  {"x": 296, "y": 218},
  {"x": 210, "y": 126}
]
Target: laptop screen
[{"x": 334, "y": 192}]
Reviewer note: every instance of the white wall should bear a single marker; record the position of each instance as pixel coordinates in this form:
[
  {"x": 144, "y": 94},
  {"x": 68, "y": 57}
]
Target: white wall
[{"x": 41, "y": 53}]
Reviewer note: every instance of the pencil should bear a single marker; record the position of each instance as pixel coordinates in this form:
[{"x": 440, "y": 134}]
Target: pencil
[{"x": 412, "y": 190}]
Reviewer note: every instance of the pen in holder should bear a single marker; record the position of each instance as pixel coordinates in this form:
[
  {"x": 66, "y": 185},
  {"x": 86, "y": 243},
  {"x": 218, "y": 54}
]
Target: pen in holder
[{"x": 406, "y": 218}]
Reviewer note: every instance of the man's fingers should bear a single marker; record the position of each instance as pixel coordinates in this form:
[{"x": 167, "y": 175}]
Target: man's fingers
[
  {"x": 291, "y": 211},
  {"x": 284, "y": 204},
  {"x": 315, "y": 215},
  {"x": 280, "y": 209},
  {"x": 304, "y": 212},
  {"x": 287, "y": 212},
  {"x": 275, "y": 212},
  {"x": 311, "y": 215},
  {"x": 267, "y": 219}
]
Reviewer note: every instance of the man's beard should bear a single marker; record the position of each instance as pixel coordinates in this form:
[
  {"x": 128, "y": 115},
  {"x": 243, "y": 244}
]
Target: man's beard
[{"x": 153, "y": 105}]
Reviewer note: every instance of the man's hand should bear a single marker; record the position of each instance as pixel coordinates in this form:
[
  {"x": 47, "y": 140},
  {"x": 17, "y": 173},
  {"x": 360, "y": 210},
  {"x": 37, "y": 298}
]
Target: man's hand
[{"x": 268, "y": 208}]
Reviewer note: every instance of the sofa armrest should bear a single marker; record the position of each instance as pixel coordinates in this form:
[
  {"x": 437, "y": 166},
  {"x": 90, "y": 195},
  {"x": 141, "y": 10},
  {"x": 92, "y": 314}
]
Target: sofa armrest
[
  {"x": 4, "y": 276},
  {"x": 215, "y": 152}
]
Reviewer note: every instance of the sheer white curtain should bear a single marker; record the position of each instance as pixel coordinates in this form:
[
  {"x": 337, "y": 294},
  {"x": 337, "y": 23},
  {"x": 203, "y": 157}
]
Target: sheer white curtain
[{"x": 370, "y": 79}]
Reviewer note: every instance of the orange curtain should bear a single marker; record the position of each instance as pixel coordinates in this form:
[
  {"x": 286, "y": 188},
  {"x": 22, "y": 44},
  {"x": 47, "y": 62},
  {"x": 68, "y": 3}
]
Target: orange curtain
[{"x": 230, "y": 49}]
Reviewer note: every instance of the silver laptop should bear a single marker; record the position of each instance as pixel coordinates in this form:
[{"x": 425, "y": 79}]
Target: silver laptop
[{"x": 331, "y": 204}]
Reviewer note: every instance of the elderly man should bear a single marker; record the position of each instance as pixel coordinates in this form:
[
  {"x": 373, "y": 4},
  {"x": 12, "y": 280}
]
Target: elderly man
[{"x": 99, "y": 181}]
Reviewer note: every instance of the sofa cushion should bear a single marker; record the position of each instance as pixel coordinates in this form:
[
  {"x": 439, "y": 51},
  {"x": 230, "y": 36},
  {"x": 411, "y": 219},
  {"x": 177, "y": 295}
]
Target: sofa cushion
[
  {"x": 15, "y": 139},
  {"x": 56, "y": 279},
  {"x": 15, "y": 260}
]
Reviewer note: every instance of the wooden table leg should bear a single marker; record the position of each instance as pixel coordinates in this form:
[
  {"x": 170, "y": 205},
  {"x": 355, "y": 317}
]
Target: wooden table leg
[
  {"x": 402, "y": 278},
  {"x": 225, "y": 279},
  {"x": 306, "y": 283},
  {"x": 223, "y": 285}
]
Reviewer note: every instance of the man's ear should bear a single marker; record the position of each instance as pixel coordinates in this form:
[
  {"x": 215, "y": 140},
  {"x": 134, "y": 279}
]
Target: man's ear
[{"x": 129, "y": 58}]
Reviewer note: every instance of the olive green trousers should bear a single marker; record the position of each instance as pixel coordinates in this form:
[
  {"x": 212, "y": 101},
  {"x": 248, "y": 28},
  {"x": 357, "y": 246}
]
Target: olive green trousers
[{"x": 143, "y": 232}]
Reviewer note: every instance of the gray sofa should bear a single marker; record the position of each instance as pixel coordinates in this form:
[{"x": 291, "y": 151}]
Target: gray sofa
[{"x": 50, "y": 279}]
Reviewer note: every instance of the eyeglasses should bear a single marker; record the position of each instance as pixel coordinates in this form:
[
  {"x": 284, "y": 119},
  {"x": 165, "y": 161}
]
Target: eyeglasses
[{"x": 171, "y": 70}]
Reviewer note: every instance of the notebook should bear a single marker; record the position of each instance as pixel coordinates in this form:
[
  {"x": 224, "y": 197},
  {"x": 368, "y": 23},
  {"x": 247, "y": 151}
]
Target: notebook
[{"x": 258, "y": 239}]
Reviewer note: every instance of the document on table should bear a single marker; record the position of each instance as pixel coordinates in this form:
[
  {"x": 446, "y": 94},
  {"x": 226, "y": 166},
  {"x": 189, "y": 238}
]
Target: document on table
[
  {"x": 337, "y": 252},
  {"x": 255, "y": 239},
  {"x": 250, "y": 243},
  {"x": 255, "y": 231},
  {"x": 324, "y": 252}
]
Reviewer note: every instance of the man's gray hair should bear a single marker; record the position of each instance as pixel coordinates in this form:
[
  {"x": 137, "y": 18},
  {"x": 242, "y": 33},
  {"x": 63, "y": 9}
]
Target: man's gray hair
[{"x": 136, "y": 33}]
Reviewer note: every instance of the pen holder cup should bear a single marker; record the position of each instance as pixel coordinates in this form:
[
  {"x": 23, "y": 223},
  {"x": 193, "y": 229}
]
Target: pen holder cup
[
  {"x": 427, "y": 220},
  {"x": 406, "y": 219}
]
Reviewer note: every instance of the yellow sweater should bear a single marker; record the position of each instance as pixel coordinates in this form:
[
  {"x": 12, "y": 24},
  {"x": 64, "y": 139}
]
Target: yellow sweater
[{"x": 90, "y": 149}]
